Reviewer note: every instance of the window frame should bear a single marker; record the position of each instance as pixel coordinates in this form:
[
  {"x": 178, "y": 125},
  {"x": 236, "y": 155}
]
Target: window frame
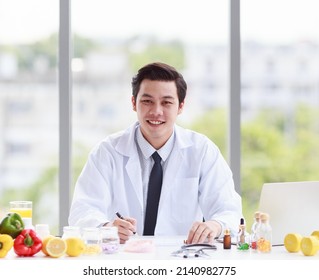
[{"x": 65, "y": 104}]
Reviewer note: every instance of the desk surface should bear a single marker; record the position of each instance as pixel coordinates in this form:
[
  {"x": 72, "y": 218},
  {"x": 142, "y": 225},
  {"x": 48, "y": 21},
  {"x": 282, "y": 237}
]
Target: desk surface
[{"x": 165, "y": 246}]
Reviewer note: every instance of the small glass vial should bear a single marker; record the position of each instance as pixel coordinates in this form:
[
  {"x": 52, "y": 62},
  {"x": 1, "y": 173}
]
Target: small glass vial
[
  {"x": 264, "y": 234},
  {"x": 110, "y": 241},
  {"x": 242, "y": 237},
  {"x": 92, "y": 239},
  {"x": 254, "y": 230},
  {"x": 227, "y": 239},
  {"x": 71, "y": 231}
]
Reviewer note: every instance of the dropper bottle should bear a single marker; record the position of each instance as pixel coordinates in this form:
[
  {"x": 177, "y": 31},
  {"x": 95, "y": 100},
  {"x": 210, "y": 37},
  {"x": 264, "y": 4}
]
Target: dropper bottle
[{"x": 243, "y": 236}]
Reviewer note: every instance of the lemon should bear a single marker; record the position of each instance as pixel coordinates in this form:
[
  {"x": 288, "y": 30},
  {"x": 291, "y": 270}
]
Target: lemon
[
  {"x": 56, "y": 247},
  {"x": 44, "y": 244},
  {"x": 315, "y": 233},
  {"x": 292, "y": 242},
  {"x": 75, "y": 246},
  {"x": 309, "y": 245}
]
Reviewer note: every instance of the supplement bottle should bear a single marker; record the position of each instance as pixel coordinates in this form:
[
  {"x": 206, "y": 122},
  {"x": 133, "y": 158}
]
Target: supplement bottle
[
  {"x": 71, "y": 231},
  {"x": 254, "y": 230},
  {"x": 227, "y": 239},
  {"x": 242, "y": 237},
  {"x": 92, "y": 239},
  {"x": 42, "y": 230},
  {"x": 110, "y": 241},
  {"x": 264, "y": 234}
]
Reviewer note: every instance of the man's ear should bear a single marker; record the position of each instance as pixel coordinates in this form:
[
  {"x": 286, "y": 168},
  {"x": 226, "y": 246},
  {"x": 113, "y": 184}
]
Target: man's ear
[
  {"x": 133, "y": 103},
  {"x": 181, "y": 106}
]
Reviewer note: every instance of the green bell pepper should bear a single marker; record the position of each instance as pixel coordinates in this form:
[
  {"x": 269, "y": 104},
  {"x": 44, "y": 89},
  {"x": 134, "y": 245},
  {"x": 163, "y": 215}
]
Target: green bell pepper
[{"x": 12, "y": 225}]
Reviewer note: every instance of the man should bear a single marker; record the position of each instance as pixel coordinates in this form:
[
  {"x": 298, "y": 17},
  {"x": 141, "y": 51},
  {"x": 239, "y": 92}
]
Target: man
[{"x": 197, "y": 195}]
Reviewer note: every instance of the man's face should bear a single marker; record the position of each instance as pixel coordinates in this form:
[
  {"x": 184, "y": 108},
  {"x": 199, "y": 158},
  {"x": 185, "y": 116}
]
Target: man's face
[{"x": 157, "y": 107}]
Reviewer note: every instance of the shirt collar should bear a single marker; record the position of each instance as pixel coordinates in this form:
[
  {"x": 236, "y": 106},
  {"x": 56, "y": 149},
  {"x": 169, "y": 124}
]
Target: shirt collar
[{"x": 147, "y": 149}]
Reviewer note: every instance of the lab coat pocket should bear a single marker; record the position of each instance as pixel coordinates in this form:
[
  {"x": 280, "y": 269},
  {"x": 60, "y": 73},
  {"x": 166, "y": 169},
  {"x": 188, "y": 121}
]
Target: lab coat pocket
[{"x": 184, "y": 199}]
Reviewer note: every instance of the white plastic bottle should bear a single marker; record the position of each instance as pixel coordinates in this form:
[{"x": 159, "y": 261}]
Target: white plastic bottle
[
  {"x": 92, "y": 239},
  {"x": 42, "y": 230},
  {"x": 71, "y": 231}
]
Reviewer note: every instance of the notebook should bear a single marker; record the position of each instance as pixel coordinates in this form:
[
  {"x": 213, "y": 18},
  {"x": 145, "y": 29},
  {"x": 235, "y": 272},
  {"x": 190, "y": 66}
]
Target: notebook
[{"x": 293, "y": 207}]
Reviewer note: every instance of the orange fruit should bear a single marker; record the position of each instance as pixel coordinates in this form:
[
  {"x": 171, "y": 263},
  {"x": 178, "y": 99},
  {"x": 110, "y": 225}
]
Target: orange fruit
[
  {"x": 44, "y": 244},
  {"x": 56, "y": 247}
]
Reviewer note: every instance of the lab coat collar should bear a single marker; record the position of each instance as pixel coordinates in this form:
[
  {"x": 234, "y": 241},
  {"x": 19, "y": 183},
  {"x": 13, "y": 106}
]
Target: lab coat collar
[
  {"x": 126, "y": 144},
  {"x": 182, "y": 139}
]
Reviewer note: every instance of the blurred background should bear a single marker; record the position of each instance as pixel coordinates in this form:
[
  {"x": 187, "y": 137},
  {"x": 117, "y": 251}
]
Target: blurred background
[{"x": 111, "y": 40}]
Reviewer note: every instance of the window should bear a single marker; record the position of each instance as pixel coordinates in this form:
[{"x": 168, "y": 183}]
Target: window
[
  {"x": 109, "y": 54},
  {"x": 29, "y": 107},
  {"x": 279, "y": 86},
  {"x": 280, "y": 58}
]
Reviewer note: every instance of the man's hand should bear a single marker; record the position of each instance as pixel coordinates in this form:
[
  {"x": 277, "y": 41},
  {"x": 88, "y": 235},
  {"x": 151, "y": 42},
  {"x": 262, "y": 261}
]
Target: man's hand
[
  {"x": 204, "y": 232},
  {"x": 126, "y": 228}
]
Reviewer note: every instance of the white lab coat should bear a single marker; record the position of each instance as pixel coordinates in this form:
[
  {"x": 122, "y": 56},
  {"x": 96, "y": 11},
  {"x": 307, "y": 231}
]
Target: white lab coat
[{"x": 197, "y": 182}]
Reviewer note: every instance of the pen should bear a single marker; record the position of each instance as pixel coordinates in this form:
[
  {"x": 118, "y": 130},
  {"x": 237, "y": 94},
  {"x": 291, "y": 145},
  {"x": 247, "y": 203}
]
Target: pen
[
  {"x": 122, "y": 218},
  {"x": 119, "y": 215}
]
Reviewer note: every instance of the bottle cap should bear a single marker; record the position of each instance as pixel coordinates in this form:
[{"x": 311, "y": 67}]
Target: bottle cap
[
  {"x": 227, "y": 231},
  {"x": 264, "y": 217},
  {"x": 257, "y": 214}
]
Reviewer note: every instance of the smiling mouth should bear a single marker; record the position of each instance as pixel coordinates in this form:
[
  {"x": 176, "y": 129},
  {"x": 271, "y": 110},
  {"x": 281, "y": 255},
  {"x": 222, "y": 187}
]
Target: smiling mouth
[{"x": 155, "y": 122}]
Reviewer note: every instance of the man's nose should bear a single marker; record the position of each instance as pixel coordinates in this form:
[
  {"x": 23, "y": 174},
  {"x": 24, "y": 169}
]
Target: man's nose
[{"x": 157, "y": 109}]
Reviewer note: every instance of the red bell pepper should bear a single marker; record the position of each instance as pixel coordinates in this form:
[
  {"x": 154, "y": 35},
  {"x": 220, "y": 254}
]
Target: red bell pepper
[{"x": 27, "y": 243}]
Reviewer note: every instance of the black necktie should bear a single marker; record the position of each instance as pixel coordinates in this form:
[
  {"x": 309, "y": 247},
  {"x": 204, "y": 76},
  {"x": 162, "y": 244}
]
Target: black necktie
[{"x": 153, "y": 195}]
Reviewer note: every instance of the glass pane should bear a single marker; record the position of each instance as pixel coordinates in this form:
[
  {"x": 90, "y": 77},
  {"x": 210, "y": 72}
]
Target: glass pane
[
  {"x": 112, "y": 40},
  {"x": 280, "y": 95},
  {"x": 29, "y": 107}
]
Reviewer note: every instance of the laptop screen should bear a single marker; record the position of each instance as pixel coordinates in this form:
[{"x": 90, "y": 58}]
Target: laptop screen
[{"x": 293, "y": 207}]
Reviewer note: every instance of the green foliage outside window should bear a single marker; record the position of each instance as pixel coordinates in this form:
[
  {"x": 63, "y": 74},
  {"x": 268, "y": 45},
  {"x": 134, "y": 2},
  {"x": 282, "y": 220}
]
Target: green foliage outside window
[{"x": 273, "y": 149}]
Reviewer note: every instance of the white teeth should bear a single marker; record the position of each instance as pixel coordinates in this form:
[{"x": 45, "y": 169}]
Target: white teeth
[{"x": 155, "y": 122}]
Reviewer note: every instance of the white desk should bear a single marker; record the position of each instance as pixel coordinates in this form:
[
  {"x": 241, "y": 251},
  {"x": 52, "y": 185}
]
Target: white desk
[
  {"x": 164, "y": 246},
  {"x": 279, "y": 264}
]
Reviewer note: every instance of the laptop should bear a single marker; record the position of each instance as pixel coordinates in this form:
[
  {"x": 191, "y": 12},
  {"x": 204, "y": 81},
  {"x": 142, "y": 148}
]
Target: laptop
[{"x": 293, "y": 207}]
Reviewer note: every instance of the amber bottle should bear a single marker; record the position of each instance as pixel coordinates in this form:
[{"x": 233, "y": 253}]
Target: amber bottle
[{"x": 227, "y": 239}]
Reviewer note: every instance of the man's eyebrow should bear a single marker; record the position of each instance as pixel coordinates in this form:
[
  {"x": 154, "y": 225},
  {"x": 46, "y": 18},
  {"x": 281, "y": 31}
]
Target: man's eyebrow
[
  {"x": 147, "y": 95},
  {"x": 168, "y": 97},
  {"x": 164, "y": 97}
]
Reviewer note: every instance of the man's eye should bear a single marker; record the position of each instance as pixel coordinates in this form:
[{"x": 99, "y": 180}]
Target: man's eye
[
  {"x": 146, "y": 101},
  {"x": 168, "y": 103}
]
